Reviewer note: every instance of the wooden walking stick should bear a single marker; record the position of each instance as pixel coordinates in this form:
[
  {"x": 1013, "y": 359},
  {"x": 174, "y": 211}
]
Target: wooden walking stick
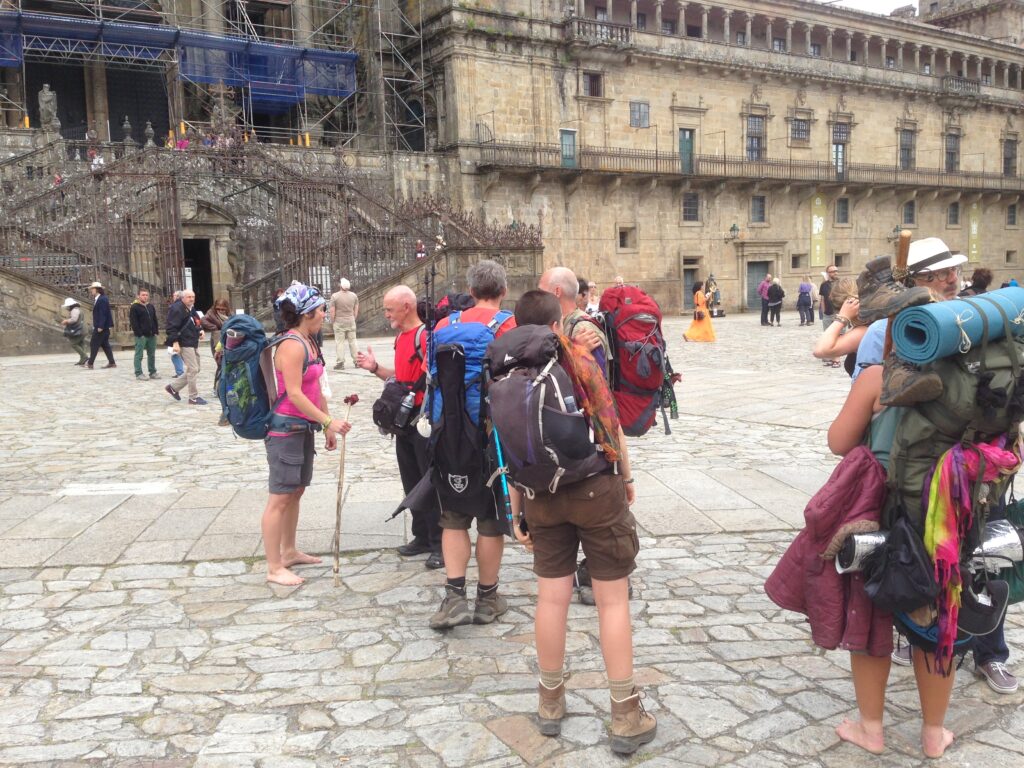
[
  {"x": 349, "y": 401},
  {"x": 899, "y": 275}
]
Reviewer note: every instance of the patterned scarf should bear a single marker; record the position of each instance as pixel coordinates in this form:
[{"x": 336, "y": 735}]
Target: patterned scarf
[
  {"x": 592, "y": 394},
  {"x": 948, "y": 519}
]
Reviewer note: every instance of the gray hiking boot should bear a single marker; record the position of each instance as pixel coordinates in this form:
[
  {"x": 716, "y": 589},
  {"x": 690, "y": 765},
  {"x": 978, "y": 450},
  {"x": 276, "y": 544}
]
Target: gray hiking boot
[
  {"x": 880, "y": 296},
  {"x": 631, "y": 725},
  {"x": 454, "y": 612},
  {"x": 905, "y": 384},
  {"x": 489, "y": 607},
  {"x": 550, "y": 709}
]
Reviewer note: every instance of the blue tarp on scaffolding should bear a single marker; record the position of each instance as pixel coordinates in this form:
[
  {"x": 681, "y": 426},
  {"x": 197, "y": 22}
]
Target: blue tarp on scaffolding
[{"x": 275, "y": 74}]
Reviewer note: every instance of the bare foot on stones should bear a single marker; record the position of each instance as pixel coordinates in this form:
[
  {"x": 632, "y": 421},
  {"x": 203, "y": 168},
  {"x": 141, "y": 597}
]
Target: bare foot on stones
[
  {"x": 869, "y": 738},
  {"x": 284, "y": 577},
  {"x": 935, "y": 740},
  {"x": 299, "y": 558}
]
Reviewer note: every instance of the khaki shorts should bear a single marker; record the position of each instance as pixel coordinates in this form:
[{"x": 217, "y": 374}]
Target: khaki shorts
[
  {"x": 459, "y": 517},
  {"x": 291, "y": 461},
  {"x": 593, "y": 513}
]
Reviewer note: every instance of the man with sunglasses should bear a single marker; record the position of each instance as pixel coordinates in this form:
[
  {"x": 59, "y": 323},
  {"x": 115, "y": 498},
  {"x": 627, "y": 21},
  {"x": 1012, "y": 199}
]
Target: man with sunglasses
[{"x": 932, "y": 265}]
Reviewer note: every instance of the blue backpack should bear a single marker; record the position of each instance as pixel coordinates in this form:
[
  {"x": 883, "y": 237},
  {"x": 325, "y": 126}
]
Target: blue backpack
[
  {"x": 247, "y": 389},
  {"x": 473, "y": 338}
]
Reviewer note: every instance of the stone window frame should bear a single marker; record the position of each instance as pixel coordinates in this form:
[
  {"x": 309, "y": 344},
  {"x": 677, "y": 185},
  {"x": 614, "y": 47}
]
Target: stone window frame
[
  {"x": 763, "y": 111},
  {"x": 1011, "y": 257},
  {"x": 766, "y": 221},
  {"x": 950, "y": 223},
  {"x": 643, "y": 116},
  {"x": 799, "y": 263},
  {"x": 585, "y": 81},
  {"x": 908, "y": 205},
  {"x": 835, "y": 214},
  {"x": 632, "y": 238},
  {"x": 1016, "y": 216},
  {"x": 1005, "y": 136},
  {"x": 804, "y": 114},
  {"x": 697, "y": 211},
  {"x": 904, "y": 127},
  {"x": 948, "y": 131}
]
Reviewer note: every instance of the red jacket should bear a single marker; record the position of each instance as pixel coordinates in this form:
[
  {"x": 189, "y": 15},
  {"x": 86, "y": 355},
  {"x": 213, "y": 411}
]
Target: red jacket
[{"x": 840, "y": 614}]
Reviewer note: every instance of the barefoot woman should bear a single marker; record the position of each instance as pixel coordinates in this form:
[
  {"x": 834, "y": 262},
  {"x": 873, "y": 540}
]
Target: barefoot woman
[
  {"x": 863, "y": 413},
  {"x": 302, "y": 410}
]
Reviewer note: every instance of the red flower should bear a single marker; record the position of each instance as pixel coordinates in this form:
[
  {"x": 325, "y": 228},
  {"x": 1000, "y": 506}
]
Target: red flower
[{"x": 351, "y": 399}]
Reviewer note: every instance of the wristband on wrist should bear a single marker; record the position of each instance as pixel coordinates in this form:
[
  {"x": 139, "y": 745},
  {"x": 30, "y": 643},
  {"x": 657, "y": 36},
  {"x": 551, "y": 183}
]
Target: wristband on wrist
[
  {"x": 376, "y": 365},
  {"x": 629, "y": 481},
  {"x": 843, "y": 320},
  {"x": 326, "y": 423}
]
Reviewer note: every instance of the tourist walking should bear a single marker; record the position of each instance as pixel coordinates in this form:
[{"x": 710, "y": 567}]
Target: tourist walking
[
  {"x": 213, "y": 321},
  {"x": 700, "y": 328},
  {"x": 301, "y": 411},
  {"x": 142, "y": 318},
  {"x": 804, "y": 303},
  {"x": 343, "y": 312},
  {"x": 102, "y": 325},
  {"x": 183, "y": 336},
  {"x": 410, "y": 446},
  {"x": 776, "y": 294},
  {"x": 74, "y": 329},
  {"x": 762, "y": 291}
]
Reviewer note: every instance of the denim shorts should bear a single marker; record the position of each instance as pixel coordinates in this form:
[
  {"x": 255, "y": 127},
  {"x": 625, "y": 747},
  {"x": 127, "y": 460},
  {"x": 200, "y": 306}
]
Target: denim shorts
[{"x": 291, "y": 461}]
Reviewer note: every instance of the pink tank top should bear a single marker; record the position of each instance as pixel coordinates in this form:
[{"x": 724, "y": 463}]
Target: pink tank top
[{"x": 310, "y": 386}]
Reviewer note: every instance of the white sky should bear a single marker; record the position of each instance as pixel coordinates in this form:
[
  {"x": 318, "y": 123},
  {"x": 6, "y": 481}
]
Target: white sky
[{"x": 884, "y": 7}]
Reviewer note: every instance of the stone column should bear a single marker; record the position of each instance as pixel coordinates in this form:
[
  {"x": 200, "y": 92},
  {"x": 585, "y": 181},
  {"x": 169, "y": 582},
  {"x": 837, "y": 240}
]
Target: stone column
[
  {"x": 849, "y": 44},
  {"x": 704, "y": 11},
  {"x": 789, "y": 37},
  {"x": 949, "y": 63},
  {"x": 12, "y": 81},
  {"x": 632, "y": 13},
  {"x": 917, "y": 58},
  {"x": 807, "y": 39},
  {"x": 580, "y": 8},
  {"x": 725, "y": 30},
  {"x": 899, "y": 54},
  {"x": 657, "y": 16},
  {"x": 981, "y": 65},
  {"x": 100, "y": 117},
  {"x": 1006, "y": 75},
  {"x": 768, "y": 33},
  {"x": 828, "y": 41},
  {"x": 749, "y": 29},
  {"x": 302, "y": 18},
  {"x": 867, "y": 50},
  {"x": 931, "y": 61}
]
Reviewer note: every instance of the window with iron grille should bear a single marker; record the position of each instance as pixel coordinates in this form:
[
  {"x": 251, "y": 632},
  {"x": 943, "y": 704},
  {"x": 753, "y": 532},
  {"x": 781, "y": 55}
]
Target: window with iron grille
[
  {"x": 843, "y": 210},
  {"x": 952, "y": 152},
  {"x": 909, "y": 213},
  {"x": 841, "y": 133},
  {"x": 1011, "y": 215},
  {"x": 907, "y": 140},
  {"x": 779, "y": 44},
  {"x": 593, "y": 84},
  {"x": 758, "y": 209},
  {"x": 800, "y": 129},
  {"x": 639, "y": 114},
  {"x": 691, "y": 206},
  {"x": 1009, "y": 157},
  {"x": 953, "y": 215},
  {"x": 755, "y": 137},
  {"x": 668, "y": 27}
]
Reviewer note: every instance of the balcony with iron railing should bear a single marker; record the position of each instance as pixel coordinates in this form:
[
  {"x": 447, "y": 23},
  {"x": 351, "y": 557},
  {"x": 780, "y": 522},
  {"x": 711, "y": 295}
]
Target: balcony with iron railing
[{"x": 621, "y": 160}]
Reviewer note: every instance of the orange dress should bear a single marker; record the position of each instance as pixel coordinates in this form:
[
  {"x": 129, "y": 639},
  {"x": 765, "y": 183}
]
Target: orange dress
[{"x": 700, "y": 330}]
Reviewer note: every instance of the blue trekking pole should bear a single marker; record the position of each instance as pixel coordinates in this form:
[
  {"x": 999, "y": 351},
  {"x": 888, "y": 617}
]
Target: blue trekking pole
[{"x": 503, "y": 471}]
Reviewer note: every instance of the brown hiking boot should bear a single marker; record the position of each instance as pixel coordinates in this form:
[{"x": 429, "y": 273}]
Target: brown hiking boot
[
  {"x": 905, "y": 384},
  {"x": 631, "y": 725},
  {"x": 880, "y": 296},
  {"x": 550, "y": 709}
]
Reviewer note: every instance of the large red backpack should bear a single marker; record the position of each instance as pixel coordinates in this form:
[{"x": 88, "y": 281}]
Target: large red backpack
[{"x": 633, "y": 324}]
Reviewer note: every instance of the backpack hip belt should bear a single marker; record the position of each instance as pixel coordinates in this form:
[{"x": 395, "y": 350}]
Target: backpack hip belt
[{"x": 281, "y": 423}]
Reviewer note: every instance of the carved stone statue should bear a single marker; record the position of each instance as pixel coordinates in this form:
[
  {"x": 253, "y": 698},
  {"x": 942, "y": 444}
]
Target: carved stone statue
[{"x": 48, "y": 107}]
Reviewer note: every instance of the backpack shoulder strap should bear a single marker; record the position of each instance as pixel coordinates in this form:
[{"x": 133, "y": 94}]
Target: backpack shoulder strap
[
  {"x": 455, "y": 317},
  {"x": 416, "y": 342},
  {"x": 499, "y": 319}
]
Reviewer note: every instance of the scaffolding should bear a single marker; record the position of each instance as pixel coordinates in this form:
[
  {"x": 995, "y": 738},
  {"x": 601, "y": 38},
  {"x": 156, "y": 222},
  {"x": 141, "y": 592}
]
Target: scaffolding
[{"x": 349, "y": 72}]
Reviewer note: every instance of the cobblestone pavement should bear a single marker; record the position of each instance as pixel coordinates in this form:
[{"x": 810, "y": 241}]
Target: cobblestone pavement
[{"x": 136, "y": 628}]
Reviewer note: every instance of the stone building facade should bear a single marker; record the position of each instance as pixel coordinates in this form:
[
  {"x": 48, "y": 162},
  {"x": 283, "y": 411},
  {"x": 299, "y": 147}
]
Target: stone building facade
[{"x": 667, "y": 141}]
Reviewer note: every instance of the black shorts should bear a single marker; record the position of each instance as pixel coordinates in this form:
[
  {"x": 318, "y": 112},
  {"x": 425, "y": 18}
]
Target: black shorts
[{"x": 291, "y": 461}]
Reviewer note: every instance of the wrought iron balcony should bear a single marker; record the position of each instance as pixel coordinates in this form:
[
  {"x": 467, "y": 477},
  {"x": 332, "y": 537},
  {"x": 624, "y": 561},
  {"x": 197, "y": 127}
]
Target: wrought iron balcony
[
  {"x": 525, "y": 157},
  {"x": 964, "y": 85},
  {"x": 592, "y": 30}
]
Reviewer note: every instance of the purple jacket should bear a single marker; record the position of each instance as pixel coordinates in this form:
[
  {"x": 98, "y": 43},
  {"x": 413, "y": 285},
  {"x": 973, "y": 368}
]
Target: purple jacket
[
  {"x": 839, "y": 611},
  {"x": 762, "y": 289}
]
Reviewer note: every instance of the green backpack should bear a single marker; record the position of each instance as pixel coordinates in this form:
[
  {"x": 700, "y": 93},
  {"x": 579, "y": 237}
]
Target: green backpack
[{"x": 982, "y": 398}]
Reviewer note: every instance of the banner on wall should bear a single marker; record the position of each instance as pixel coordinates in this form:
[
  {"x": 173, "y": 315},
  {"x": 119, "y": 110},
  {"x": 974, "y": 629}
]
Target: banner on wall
[
  {"x": 819, "y": 243},
  {"x": 974, "y": 232}
]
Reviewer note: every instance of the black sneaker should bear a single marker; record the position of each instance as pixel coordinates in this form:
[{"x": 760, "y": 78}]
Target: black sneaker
[
  {"x": 413, "y": 548},
  {"x": 197, "y": 401},
  {"x": 435, "y": 561},
  {"x": 172, "y": 392}
]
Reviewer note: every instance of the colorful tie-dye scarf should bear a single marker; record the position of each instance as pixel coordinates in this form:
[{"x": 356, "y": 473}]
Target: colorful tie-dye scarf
[{"x": 592, "y": 395}]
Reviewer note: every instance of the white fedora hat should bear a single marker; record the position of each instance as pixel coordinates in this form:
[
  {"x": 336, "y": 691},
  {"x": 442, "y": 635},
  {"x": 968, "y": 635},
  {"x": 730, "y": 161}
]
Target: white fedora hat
[{"x": 931, "y": 254}]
